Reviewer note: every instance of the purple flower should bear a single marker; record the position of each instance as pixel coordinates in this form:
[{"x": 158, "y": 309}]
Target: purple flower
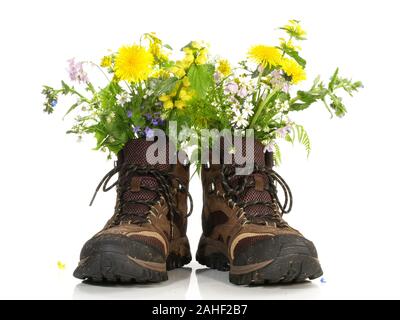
[
  {"x": 129, "y": 114},
  {"x": 231, "y": 87},
  {"x": 149, "y": 133},
  {"x": 53, "y": 103},
  {"x": 282, "y": 132},
  {"x": 278, "y": 81},
  {"x": 286, "y": 87},
  {"x": 217, "y": 76},
  {"x": 154, "y": 122},
  {"x": 136, "y": 129},
  {"x": 270, "y": 147},
  {"x": 148, "y": 116},
  {"x": 242, "y": 92},
  {"x": 76, "y": 72}
]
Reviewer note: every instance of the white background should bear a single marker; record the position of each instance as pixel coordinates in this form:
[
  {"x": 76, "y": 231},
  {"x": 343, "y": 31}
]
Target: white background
[{"x": 346, "y": 194}]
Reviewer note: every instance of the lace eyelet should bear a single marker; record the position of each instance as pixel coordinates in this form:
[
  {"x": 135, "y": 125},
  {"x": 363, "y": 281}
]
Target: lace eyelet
[
  {"x": 186, "y": 163},
  {"x": 211, "y": 187}
]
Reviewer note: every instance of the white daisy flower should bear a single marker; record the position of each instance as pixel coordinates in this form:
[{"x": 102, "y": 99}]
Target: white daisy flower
[
  {"x": 123, "y": 98},
  {"x": 248, "y": 110},
  {"x": 240, "y": 120}
]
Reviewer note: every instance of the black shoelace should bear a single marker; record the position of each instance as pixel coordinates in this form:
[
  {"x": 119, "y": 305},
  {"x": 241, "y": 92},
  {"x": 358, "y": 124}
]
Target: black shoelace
[
  {"x": 164, "y": 188},
  {"x": 244, "y": 183}
]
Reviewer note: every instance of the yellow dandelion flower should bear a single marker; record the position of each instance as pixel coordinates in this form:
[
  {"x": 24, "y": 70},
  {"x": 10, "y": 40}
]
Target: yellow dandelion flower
[
  {"x": 224, "y": 67},
  {"x": 265, "y": 55},
  {"x": 293, "y": 70},
  {"x": 133, "y": 63},
  {"x": 106, "y": 62}
]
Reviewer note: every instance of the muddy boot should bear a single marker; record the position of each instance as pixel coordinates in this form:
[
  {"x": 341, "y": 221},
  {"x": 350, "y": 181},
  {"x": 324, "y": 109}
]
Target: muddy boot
[
  {"x": 146, "y": 236},
  {"x": 243, "y": 229}
]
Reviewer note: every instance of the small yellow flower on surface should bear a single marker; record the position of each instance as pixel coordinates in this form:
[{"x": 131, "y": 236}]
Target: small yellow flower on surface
[
  {"x": 106, "y": 62},
  {"x": 179, "y": 104},
  {"x": 60, "y": 265},
  {"x": 294, "y": 29},
  {"x": 293, "y": 70},
  {"x": 133, "y": 63},
  {"x": 224, "y": 67},
  {"x": 186, "y": 82},
  {"x": 265, "y": 55}
]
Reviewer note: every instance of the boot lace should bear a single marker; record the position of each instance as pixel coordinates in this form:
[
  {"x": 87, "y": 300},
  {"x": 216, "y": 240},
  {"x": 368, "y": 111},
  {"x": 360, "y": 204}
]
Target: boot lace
[
  {"x": 243, "y": 183},
  {"x": 164, "y": 187}
]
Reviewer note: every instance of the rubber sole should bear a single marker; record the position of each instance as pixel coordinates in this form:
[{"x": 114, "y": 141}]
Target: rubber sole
[
  {"x": 288, "y": 264},
  {"x": 111, "y": 261}
]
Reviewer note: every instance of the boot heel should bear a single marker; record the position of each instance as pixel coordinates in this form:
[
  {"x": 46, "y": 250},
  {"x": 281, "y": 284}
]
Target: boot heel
[
  {"x": 179, "y": 253},
  {"x": 211, "y": 254}
]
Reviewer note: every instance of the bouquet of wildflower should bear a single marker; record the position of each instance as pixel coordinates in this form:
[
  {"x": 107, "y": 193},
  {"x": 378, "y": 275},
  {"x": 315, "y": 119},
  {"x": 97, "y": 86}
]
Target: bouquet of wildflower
[{"x": 146, "y": 89}]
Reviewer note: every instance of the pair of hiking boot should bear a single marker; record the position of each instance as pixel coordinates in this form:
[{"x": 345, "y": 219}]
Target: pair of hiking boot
[{"x": 243, "y": 229}]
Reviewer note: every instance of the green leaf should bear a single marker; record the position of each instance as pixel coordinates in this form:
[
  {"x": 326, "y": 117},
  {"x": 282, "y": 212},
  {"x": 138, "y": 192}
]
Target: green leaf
[
  {"x": 303, "y": 138},
  {"x": 295, "y": 55},
  {"x": 90, "y": 88},
  {"x": 333, "y": 79},
  {"x": 165, "y": 86},
  {"x": 307, "y": 97},
  {"x": 277, "y": 154},
  {"x": 200, "y": 77},
  {"x": 71, "y": 109},
  {"x": 65, "y": 88}
]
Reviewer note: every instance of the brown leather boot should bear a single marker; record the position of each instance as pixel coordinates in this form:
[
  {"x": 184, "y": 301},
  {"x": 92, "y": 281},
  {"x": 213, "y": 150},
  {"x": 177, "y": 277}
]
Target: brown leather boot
[
  {"x": 243, "y": 229},
  {"x": 146, "y": 236}
]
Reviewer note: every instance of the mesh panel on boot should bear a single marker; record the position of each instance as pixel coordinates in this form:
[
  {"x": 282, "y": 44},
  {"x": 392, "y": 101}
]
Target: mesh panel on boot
[
  {"x": 134, "y": 152},
  {"x": 250, "y": 194}
]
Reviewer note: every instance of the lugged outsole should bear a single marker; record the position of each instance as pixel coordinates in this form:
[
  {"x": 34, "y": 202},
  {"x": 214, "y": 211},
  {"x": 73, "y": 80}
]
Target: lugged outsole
[
  {"x": 111, "y": 263},
  {"x": 289, "y": 264},
  {"x": 286, "y": 269}
]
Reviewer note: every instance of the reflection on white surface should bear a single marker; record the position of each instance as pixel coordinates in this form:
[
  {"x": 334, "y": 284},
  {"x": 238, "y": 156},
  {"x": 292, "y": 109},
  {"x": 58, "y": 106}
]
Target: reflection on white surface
[
  {"x": 197, "y": 283},
  {"x": 213, "y": 284},
  {"x": 175, "y": 288}
]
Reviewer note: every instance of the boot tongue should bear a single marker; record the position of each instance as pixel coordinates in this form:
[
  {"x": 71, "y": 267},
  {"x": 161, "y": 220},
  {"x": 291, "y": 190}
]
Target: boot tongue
[
  {"x": 134, "y": 153},
  {"x": 260, "y": 180},
  {"x": 255, "y": 154}
]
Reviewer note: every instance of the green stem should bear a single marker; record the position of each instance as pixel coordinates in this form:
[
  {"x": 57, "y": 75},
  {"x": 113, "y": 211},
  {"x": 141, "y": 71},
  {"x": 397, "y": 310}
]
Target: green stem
[
  {"x": 327, "y": 107},
  {"x": 261, "y": 107}
]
